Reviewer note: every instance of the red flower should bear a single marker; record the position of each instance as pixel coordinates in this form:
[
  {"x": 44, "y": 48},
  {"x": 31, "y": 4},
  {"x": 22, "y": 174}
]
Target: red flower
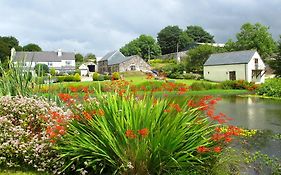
[
  {"x": 202, "y": 149},
  {"x": 217, "y": 149},
  {"x": 228, "y": 139},
  {"x": 130, "y": 134},
  {"x": 87, "y": 115},
  {"x": 143, "y": 132},
  {"x": 101, "y": 112}
]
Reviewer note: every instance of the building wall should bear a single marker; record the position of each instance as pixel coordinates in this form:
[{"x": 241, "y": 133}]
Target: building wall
[
  {"x": 221, "y": 72},
  {"x": 137, "y": 62},
  {"x": 102, "y": 66},
  {"x": 252, "y": 66},
  {"x": 59, "y": 66}
]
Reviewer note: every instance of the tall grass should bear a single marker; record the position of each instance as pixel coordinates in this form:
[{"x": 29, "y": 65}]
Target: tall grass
[{"x": 16, "y": 80}]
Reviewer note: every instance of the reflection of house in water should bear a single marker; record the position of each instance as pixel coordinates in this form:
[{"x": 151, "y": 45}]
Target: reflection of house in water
[
  {"x": 256, "y": 114},
  {"x": 88, "y": 68}
]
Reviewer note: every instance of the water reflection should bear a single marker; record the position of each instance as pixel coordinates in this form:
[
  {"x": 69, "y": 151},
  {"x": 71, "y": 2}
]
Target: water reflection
[{"x": 252, "y": 113}]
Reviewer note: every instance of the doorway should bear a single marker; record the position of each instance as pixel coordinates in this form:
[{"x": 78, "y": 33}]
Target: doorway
[{"x": 232, "y": 75}]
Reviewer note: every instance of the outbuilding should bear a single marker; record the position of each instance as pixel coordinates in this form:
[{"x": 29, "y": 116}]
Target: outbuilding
[{"x": 239, "y": 65}]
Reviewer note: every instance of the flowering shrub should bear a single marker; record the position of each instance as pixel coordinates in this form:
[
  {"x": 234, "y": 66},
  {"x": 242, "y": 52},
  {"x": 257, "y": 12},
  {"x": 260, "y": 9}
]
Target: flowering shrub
[
  {"x": 24, "y": 140},
  {"x": 130, "y": 134},
  {"x": 271, "y": 87},
  {"x": 238, "y": 84}
]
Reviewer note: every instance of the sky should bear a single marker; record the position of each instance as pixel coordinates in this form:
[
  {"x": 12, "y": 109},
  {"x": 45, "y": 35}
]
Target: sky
[{"x": 100, "y": 26}]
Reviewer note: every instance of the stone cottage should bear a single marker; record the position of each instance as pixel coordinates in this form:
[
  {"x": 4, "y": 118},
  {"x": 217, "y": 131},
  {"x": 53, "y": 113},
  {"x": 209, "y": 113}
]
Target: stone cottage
[{"x": 116, "y": 62}]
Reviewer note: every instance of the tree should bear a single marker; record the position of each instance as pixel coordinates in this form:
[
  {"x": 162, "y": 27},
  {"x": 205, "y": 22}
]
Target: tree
[
  {"x": 275, "y": 64},
  {"x": 79, "y": 57},
  {"x": 32, "y": 48},
  {"x": 199, "y": 35},
  {"x": 90, "y": 57},
  {"x": 145, "y": 46},
  {"x": 41, "y": 69},
  {"x": 198, "y": 56},
  {"x": 6, "y": 44},
  {"x": 254, "y": 36},
  {"x": 172, "y": 37}
]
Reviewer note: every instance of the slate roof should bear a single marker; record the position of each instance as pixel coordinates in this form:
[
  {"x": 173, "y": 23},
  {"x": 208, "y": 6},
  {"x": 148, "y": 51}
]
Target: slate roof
[
  {"x": 45, "y": 56},
  {"x": 237, "y": 57},
  {"x": 115, "y": 57}
]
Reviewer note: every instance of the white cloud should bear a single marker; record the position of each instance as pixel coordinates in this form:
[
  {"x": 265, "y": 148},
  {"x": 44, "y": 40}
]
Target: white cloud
[{"x": 100, "y": 26}]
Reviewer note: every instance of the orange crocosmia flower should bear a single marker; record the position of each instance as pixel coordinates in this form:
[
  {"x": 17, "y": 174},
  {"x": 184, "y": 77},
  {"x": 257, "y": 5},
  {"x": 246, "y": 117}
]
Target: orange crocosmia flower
[
  {"x": 87, "y": 115},
  {"x": 130, "y": 134},
  {"x": 218, "y": 129},
  {"x": 228, "y": 139},
  {"x": 167, "y": 110},
  {"x": 101, "y": 112},
  {"x": 143, "y": 132},
  {"x": 202, "y": 149},
  {"x": 217, "y": 149}
]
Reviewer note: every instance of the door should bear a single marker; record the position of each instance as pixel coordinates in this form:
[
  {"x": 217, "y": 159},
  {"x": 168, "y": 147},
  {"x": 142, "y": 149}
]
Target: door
[{"x": 232, "y": 75}]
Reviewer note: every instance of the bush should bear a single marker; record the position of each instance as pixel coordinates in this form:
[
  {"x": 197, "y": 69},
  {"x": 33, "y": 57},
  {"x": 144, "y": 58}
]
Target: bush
[
  {"x": 200, "y": 86},
  {"x": 133, "y": 135},
  {"x": 69, "y": 78},
  {"x": 53, "y": 71},
  {"x": 272, "y": 88},
  {"x": 23, "y": 134},
  {"x": 41, "y": 69},
  {"x": 115, "y": 76},
  {"x": 192, "y": 76},
  {"x": 96, "y": 76},
  {"x": 238, "y": 84}
]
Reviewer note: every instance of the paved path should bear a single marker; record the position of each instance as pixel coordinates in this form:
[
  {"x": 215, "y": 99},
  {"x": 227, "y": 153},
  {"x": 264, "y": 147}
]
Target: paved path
[{"x": 85, "y": 78}]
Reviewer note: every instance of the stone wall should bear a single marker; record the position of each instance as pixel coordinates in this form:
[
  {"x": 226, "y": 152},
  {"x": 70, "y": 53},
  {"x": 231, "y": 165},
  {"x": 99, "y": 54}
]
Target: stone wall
[{"x": 134, "y": 63}]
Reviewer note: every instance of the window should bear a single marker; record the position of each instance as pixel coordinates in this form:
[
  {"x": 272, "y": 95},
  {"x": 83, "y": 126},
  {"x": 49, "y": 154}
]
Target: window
[
  {"x": 68, "y": 62},
  {"x": 256, "y": 61},
  {"x": 50, "y": 64},
  {"x": 133, "y": 67}
]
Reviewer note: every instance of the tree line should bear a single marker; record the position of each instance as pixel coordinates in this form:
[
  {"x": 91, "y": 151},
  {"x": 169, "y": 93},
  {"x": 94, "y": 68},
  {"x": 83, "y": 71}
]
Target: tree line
[{"x": 172, "y": 38}]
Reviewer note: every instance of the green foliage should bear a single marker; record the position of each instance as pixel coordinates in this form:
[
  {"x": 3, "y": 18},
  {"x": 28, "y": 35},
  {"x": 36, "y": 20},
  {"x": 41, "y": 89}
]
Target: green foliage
[
  {"x": 90, "y": 57},
  {"x": 198, "y": 56},
  {"x": 16, "y": 81},
  {"x": 69, "y": 78},
  {"x": 275, "y": 64},
  {"x": 6, "y": 44},
  {"x": 96, "y": 76},
  {"x": 145, "y": 46},
  {"x": 238, "y": 84},
  {"x": 199, "y": 35},
  {"x": 32, "y": 48},
  {"x": 254, "y": 36},
  {"x": 200, "y": 86},
  {"x": 53, "y": 71},
  {"x": 79, "y": 57},
  {"x": 41, "y": 69},
  {"x": 154, "y": 61},
  {"x": 171, "y": 36},
  {"x": 128, "y": 136},
  {"x": 271, "y": 88},
  {"x": 115, "y": 76}
]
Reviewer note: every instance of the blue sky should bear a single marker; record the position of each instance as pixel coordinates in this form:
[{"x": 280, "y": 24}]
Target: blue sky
[{"x": 99, "y": 26}]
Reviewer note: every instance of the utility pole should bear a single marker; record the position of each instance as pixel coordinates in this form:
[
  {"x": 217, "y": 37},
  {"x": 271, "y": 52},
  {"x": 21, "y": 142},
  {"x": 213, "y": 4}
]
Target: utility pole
[
  {"x": 177, "y": 56},
  {"x": 148, "y": 52}
]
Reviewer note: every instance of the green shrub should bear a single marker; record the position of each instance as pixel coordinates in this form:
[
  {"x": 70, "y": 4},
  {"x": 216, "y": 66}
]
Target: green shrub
[
  {"x": 77, "y": 77},
  {"x": 41, "y": 69},
  {"x": 238, "y": 84},
  {"x": 135, "y": 136},
  {"x": 107, "y": 77},
  {"x": 272, "y": 88},
  {"x": 192, "y": 76},
  {"x": 115, "y": 76},
  {"x": 200, "y": 86},
  {"x": 53, "y": 71},
  {"x": 96, "y": 76}
]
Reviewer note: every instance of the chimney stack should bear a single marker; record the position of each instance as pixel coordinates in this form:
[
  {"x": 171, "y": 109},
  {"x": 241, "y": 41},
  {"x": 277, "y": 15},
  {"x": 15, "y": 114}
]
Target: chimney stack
[{"x": 59, "y": 52}]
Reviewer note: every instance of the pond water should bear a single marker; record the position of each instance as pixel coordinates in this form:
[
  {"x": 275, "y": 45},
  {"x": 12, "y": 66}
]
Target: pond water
[{"x": 256, "y": 113}]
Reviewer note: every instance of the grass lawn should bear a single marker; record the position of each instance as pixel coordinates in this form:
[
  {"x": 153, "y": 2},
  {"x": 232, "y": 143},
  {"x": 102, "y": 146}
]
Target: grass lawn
[{"x": 16, "y": 172}]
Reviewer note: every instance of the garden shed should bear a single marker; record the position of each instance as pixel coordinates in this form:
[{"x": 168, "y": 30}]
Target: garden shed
[{"x": 239, "y": 65}]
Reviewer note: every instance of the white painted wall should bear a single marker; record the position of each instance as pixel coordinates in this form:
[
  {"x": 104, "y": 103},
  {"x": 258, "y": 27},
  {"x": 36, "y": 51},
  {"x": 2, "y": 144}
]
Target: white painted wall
[
  {"x": 252, "y": 66},
  {"x": 221, "y": 72}
]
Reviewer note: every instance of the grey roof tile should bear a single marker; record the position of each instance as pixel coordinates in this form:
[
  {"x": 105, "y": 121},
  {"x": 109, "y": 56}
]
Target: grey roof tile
[
  {"x": 45, "y": 56},
  {"x": 237, "y": 57},
  {"x": 114, "y": 57}
]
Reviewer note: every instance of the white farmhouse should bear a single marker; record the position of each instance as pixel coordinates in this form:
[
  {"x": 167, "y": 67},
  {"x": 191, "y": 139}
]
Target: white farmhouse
[
  {"x": 239, "y": 65},
  {"x": 60, "y": 61}
]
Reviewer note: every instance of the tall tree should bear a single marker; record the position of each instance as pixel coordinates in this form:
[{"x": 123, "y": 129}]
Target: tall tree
[
  {"x": 6, "y": 44},
  {"x": 145, "y": 46},
  {"x": 199, "y": 35},
  {"x": 90, "y": 57},
  {"x": 275, "y": 64},
  {"x": 79, "y": 57},
  {"x": 254, "y": 36},
  {"x": 172, "y": 37},
  {"x": 198, "y": 56},
  {"x": 32, "y": 48}
]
